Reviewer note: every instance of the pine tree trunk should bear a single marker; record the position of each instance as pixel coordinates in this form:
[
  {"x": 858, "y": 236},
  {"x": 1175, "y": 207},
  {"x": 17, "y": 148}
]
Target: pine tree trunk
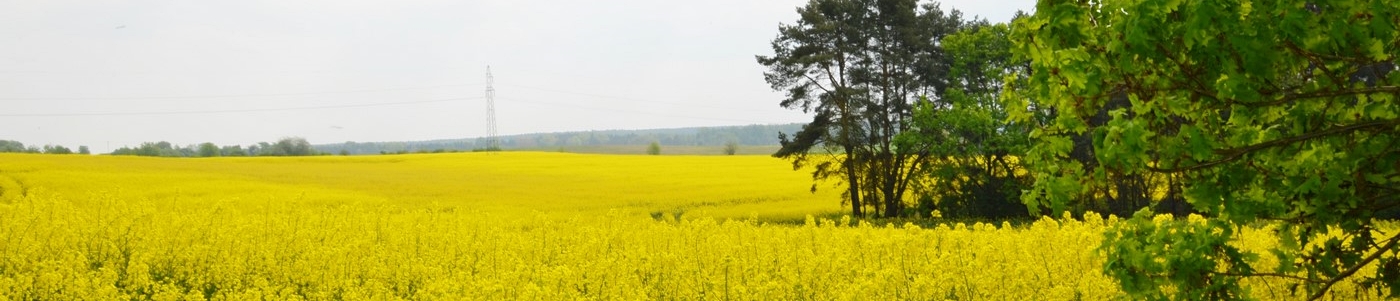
[{"x": 853, "y": 182}]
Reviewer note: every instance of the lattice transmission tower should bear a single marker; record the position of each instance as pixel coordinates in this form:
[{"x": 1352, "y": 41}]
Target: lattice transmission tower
[{"x": 494, "y": 143}]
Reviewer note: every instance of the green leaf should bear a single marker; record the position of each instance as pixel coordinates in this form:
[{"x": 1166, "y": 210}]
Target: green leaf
[
  {"x": 1377, "y": 51},
  {"x": 1206, "y": 76},
  {"x": 1201, "y": 148}
]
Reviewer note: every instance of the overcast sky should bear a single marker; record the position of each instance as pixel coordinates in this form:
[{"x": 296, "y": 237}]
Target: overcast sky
[{"x": 108, "y": 74}]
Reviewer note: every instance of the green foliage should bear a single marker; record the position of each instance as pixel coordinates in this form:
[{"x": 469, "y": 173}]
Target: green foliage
[
  {"x": 57, "y": 150},
  {"x": 290, "y": 146},
  {"x": 859, "y": 67},
  {"x": 1187, "y": 259},
  {"x": 1280, "y": 111},
  {"x": 232, "y": 151},
  {"x": 974, "y": 149},
  {"x": 283, "y": 147},
  {"x": 11, "y": 146},
  {"x": 654, "y": 148},
  {"x": 208, "y": 149},
  {"x": 83, "y": 149},
  {"x": 153, "y": 149},
  {"x": 731, "y": 147}
]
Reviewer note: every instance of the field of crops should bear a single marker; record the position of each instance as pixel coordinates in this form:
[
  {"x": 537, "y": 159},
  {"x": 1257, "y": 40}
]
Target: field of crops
[{"x": 509, "y": 226}]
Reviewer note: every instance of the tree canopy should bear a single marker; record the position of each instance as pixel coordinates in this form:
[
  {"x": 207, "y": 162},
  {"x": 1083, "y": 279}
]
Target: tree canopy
[
  {"x": 973, "y": 167},
  {"x": 860, "y": 67},
  {"x": 1277, "y": 111}
]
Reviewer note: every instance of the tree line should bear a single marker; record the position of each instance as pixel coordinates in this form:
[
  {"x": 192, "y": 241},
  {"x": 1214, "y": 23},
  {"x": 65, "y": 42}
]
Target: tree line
[
  {"x": 291, "y": 146},
  {"x": 697, "y": 136},
  {"x": 11, "y": 146},
  {"x": 1247, "y": 113}
]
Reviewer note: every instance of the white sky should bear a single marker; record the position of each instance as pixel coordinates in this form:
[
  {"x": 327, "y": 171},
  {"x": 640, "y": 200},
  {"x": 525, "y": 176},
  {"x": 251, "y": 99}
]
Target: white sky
[{"x": 108, "y": 74}]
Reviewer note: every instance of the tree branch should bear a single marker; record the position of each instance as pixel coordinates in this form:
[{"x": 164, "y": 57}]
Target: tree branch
[
  {"x": 1235, "y": 153},
  {"x": 816, "y": 82},
  {"x": 1316, "y": 63},
  {"x": 1277, "y": 275},
  {"x": 1390, "y": 244},
  {"x": 1320, "y": 94}
]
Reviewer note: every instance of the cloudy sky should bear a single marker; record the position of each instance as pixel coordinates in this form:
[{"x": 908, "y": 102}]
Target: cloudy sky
[{"x": 108, "y": 74}]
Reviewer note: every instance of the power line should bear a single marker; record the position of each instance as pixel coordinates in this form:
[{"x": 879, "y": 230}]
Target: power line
[
  {"x": 239, "y": 95},
  {"x": 620, "y": 98},
  {"x": 543, "y": 103},
  {"x": 239, "y": 110}
]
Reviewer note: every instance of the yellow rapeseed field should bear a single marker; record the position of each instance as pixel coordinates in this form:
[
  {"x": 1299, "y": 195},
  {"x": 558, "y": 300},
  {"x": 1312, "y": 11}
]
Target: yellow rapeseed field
[
  {"x": 732, "y": 186},
  {"x": 504, "y": 226}
]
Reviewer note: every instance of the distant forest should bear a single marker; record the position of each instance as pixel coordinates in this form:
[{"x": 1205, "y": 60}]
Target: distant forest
[
  {"x": 695, "y": 136},
  {"x": 11, "y": 146},
  {"x": 747, "y": 135}
]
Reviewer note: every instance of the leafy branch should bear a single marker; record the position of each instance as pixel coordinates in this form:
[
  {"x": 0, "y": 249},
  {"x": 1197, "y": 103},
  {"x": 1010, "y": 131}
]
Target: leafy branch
[
  {"x": 1389, "y": 246},
  {"x": 1238, "y": 152}
]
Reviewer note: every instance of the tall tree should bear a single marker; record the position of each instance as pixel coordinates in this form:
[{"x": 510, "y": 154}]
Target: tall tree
[
  {"x": 905, "y": 65},
  {"x": 11, "y": 146},
  {"x": 208, "y": 149},
  {"x": 859, "y": 66},
  {"x": 292, "y": 146},
  {"x": 811, "y": 61},
  {"x": 57, "y": 150},
  {"x": 232, "y": 150},
  {"x": 974, "y": 168},
  {"x": 1281, "y": 111}
]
